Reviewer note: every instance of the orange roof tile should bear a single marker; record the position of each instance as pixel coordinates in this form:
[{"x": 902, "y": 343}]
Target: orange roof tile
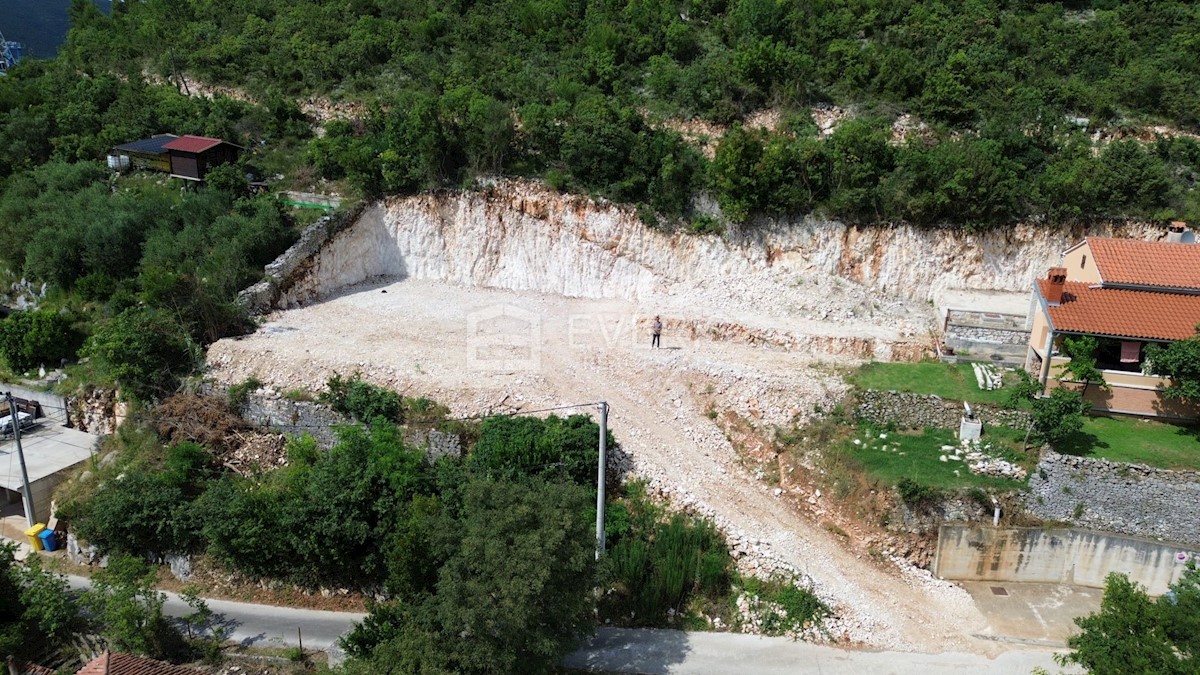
[
  {"x": 1119, "y": 312},
  {"x": 192, "y": 143},
  {"x": 1146, "y": 263},
  {"x": 126, "y": 664}
]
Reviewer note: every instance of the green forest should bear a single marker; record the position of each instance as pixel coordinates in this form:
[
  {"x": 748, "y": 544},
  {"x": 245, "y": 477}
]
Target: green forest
[
  {"x": 1026, "y": 112},
  {"x": 576, "y": 92}
]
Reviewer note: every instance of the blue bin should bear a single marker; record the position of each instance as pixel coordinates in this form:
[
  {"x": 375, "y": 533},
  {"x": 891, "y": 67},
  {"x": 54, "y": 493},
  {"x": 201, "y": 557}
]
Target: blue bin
[{"x": 49, "y": 540}]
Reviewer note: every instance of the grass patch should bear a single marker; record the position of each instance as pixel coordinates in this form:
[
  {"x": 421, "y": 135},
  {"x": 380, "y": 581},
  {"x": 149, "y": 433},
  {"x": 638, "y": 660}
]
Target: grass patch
[
  {"x": 782, "y": 606},
  {"x": 1137, "y": 441},
  {"x": 954, "y": 381},
  {"x": 914, "y": 456}
]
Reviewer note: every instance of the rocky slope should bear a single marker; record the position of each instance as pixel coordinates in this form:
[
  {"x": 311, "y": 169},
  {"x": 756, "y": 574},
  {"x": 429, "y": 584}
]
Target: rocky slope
[{"x": 518, "y": 236}]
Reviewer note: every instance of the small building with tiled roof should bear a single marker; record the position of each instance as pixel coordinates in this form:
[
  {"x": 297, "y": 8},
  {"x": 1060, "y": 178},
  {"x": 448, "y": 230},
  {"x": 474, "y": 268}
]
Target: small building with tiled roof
[
  {"x": 1126, "y": 293},
  {"x": 109, "y": 663},
  {"x": 193, "y": 156},
  {"x": 186, "y": 157}
]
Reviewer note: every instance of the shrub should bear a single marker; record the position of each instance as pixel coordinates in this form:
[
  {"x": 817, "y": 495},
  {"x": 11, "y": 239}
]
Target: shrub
[
  {"x": 240, "y": 393},
  {"x": 916, "y": 494},
  {"x": 361, "y": 400},
  {"x": 657, "y": 566},
  {"x": 528, "y": 446},
  {"x": 136, "y": 513},
  {"x": 31, "y": 338},
  {"x": 144, "y": 350},
  {"x": 782, "y": 606}
]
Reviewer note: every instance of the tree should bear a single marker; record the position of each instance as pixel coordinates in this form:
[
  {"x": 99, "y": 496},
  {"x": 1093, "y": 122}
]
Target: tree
[
  {"x": 1179, "y": 361},
  {"x": 126, "y": 610},
  {"x": 1082, "y": 366},
  {"x": 144, "y": 350},
  {"x": 1134, "y": 634},
  {"x": 37, "y": 337},
  {"x": 1024, "y": 392},
  {"x": 35, "y": 606},
  {"x": 1057, "y": 416},
  {"x": 515, "y": 593}
]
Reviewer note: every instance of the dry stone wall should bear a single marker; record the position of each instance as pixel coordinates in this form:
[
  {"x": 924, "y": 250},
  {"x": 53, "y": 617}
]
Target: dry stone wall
[
  {"x": 293, "y": 263},
  {"x": 293, "y": 418},
  {"x": 1126, "y": 498},
  {"x": 917, "y": 411}
]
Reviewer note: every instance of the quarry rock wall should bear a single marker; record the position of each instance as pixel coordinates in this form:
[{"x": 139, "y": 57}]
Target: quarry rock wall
[{"x": 519, "y": 236}]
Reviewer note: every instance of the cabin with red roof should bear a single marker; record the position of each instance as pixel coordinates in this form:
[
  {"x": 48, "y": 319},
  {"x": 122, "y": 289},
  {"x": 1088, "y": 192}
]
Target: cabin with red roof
[
  {"x": 191, "y": 157},
  {"x": 1127, "y": 294}
]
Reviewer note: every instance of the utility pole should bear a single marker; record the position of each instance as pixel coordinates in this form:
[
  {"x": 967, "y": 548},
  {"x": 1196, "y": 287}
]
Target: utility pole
[
  {"x": 600, "y": 479},
  {"x": 16, "y": 425}
]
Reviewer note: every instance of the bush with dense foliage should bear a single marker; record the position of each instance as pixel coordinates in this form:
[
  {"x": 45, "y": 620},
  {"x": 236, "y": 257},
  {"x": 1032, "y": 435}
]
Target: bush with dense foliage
[
  {"x": 1134, "y": 633},
  {"x": 38, "y": 338},
  {"x": 528, "y": 446}
]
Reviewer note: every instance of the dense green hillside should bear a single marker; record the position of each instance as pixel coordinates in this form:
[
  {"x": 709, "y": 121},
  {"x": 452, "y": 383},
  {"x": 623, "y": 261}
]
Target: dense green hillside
[
  {"x": 1012, "y": 109},
  {"x": 565, "y": 88}
]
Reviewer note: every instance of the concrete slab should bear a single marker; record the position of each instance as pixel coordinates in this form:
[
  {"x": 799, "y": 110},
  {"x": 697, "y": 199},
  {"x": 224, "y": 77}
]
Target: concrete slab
[
  {"x": 48, "y": 448},
  {"x": 1004, "y": 302},
  {"x": 1032, "y": 614}
]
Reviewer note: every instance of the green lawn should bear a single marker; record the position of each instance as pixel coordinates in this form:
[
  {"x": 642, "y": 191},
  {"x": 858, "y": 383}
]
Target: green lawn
[
  {"x": 916, "y": 455},
  {"x": 954, "y": 381},
  {"x": 1139, "y": 441}
]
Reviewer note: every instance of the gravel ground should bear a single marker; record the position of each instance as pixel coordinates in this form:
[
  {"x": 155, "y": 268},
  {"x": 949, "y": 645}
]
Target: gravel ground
[{"x": 481, "y": 351}]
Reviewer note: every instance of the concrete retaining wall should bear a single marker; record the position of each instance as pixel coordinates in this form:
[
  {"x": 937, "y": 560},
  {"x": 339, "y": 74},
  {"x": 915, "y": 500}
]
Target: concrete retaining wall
[
  {"x": 1127, "y": 498},
  {"x": 1068, "y": 556}
]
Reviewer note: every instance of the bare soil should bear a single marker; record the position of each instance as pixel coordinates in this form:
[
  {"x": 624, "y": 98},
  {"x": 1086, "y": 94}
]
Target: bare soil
[{"x": 481, "y": 351}]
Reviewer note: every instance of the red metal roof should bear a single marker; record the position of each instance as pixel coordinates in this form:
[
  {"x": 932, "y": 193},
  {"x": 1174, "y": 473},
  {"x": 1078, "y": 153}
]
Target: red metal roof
[
  {"x": 193, "y": 143},
  {"x": 1146, "y": 263},
  {"x": 1119, "y": 312},
  {"x": 126, "y": 664}
]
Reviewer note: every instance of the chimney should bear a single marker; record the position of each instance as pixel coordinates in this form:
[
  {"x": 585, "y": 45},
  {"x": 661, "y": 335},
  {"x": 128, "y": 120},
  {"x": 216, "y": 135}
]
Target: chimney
[
  {"x": 1054, "y": 289},
  {"x": 1176, "y": 231}
]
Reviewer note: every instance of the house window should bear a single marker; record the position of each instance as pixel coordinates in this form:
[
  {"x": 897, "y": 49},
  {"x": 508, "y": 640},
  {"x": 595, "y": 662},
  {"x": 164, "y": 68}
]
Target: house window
[{"x": 1083, "y": 262}]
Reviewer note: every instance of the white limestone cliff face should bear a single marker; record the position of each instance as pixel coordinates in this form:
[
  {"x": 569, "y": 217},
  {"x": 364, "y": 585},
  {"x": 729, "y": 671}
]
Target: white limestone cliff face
[{"x": 523, "y": 237}]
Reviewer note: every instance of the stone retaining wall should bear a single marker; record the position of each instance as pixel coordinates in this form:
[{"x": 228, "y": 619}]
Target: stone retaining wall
[
  {"x": 292, "y": 263},
  {"x": 991, "y": 336},
  {"x": 917, "y": 411},
  {"x": 293, "y": 418},
  {"x": 1126, "y": 498}
]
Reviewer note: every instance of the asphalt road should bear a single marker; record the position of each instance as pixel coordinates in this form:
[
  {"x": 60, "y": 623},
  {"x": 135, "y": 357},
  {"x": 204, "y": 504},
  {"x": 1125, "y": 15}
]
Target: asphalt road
[
  {"x": 264, "y": 625},
  {"x": 644, "y": 651}
]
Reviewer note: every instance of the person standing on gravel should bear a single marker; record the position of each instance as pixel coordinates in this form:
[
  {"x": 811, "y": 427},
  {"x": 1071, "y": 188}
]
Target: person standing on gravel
[{"x": 657, "y": 334}]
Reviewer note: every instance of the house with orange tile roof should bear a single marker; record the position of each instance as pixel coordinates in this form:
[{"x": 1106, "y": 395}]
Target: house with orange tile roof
[
  {"x": 115, "y": 663},
  {"x": 1127, "y": 294}
]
